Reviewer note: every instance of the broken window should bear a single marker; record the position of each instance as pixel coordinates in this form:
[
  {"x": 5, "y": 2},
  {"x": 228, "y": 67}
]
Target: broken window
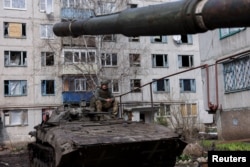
[
  {"x": 160, "y": 60},
  {"x": 188, "y": 110},
  {"x": 132, "y": 5},
  {"x": 135, "y": 85},
  {"x": 14, "y": 30},
  {"x": 183, "y": 39},
  {"x": 115, "y": 86},
  {"x": 134, "y": 39},
  {"x": 46, "y": 31},
  {"x": 15, "y": 117},
  {"x": 15, "y": 58},
  {"x": 48, "y": 87},
  {"x": 237, "y": 74},
  {"x": 161, "y": 85},
  {"x": 185, "y": 61},
  {"x": 47, "y": 58},
  {"x": 109, "y": 59},
  {"x": 134, "y": 60},
  {"x": 158, "y": 39},
  {"x": 14, "y": 4},
  {"x": 15, "y": 88},
  {"x": 164, "y": 110},
  {"x": 187, "y": 85},
  {"x": 109, "y": 38}
]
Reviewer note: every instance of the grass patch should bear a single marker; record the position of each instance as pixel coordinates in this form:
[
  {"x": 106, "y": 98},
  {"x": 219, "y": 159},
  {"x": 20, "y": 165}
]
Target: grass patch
[{"x": 222, "y": 146}]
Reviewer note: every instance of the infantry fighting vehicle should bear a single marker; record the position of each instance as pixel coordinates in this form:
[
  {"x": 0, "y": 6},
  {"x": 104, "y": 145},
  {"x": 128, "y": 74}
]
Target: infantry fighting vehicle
[{"x": 79, "y": 137}]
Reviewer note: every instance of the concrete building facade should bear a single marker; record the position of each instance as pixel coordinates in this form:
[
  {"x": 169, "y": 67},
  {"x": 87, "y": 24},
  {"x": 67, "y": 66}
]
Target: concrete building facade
[{"x": 227, "y": 51}]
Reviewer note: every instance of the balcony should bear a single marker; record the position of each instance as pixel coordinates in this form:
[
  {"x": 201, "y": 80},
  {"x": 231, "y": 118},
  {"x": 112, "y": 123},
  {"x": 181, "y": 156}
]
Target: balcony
[{"x": 76, "y": 97}]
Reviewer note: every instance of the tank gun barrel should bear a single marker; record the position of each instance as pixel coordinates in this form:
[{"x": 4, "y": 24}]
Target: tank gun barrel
[{"x": 172, "y": 18}]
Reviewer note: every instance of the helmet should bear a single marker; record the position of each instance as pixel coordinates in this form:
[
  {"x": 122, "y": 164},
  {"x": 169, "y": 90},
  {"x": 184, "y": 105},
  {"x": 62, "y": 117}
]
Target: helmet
[{"x": 104, "y": 82}]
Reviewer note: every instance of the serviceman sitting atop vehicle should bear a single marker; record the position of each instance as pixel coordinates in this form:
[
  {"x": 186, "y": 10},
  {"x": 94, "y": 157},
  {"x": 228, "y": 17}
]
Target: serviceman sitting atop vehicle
[{"x": 104, "y": 99}]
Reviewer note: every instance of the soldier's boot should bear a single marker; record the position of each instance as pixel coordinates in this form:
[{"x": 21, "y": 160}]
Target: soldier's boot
[{"x": 98, "y": 106}]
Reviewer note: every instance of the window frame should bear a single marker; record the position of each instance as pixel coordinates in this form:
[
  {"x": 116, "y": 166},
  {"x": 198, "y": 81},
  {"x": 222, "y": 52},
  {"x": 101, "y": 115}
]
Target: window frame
[
  {"x": 190, "y": 61},
  {"x": 82, "y": 83},
  {"x": 69, "y": 83},
  {"x": 189, "y": 110},
  {"x": 104, "y": 59},
  {"x": 115, "y": 83},
  {"x": 46, "y": 6},
  {"x": 164, "y": 110},
  {"x": 44, "y": 87},
  {"x": 44, "y": 59},
  {"x": 166, "y": 84},
  {"x": 159, "y": 39},
  {"x": 164, "y": 60},
  {"x": 192, "y": 83},
  {"x": 11, "y": 5},
  {"x": 23, "y": 30},
  {"x": 45, "y": 30},
  {"x": 13, "y": 115},
  {"x": 134, "y": 39},
  {"x": 109, "y": 38},
  {"x": 7, "y": 58},
  {"x": 133, "y": 87},
  {"x": 183, "y": 39},
  {"x": 236, "y": 82},
  {"x": 89, "y": 56},
  {"x": 231, "y": 31},
  {"x": 22, "y": 86},
  {"x": 135, "y": 60}
]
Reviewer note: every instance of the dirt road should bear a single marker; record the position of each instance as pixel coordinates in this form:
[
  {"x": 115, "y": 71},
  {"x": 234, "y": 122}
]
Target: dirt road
[{"x": 8, "y": 159}]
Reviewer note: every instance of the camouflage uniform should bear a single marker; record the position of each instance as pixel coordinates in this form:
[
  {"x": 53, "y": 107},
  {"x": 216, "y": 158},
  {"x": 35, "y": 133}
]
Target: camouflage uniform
[{"x": 100, "y": 100}]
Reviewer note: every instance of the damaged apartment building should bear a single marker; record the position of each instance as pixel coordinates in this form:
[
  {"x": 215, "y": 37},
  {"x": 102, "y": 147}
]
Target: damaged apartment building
[{"x": 40, "y": 71}]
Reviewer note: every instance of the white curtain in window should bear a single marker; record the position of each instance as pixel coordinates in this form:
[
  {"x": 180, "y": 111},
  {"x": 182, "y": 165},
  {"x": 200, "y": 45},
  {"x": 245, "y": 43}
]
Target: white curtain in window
[
  {"x": 16, "y": 117},
  {"x": 42, "y": 5},
  {"x": 49, "y": 6}
]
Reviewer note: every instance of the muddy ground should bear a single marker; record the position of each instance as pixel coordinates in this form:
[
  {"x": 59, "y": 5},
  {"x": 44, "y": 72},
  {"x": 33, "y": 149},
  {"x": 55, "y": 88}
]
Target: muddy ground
[{"x": 17, "y": 159}]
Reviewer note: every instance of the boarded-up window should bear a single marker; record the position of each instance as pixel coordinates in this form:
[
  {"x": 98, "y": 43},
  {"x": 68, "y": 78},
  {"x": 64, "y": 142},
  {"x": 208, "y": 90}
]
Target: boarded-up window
[
  {"x": 14, "y": 30},
  {"x": 188, "y": 110}
]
